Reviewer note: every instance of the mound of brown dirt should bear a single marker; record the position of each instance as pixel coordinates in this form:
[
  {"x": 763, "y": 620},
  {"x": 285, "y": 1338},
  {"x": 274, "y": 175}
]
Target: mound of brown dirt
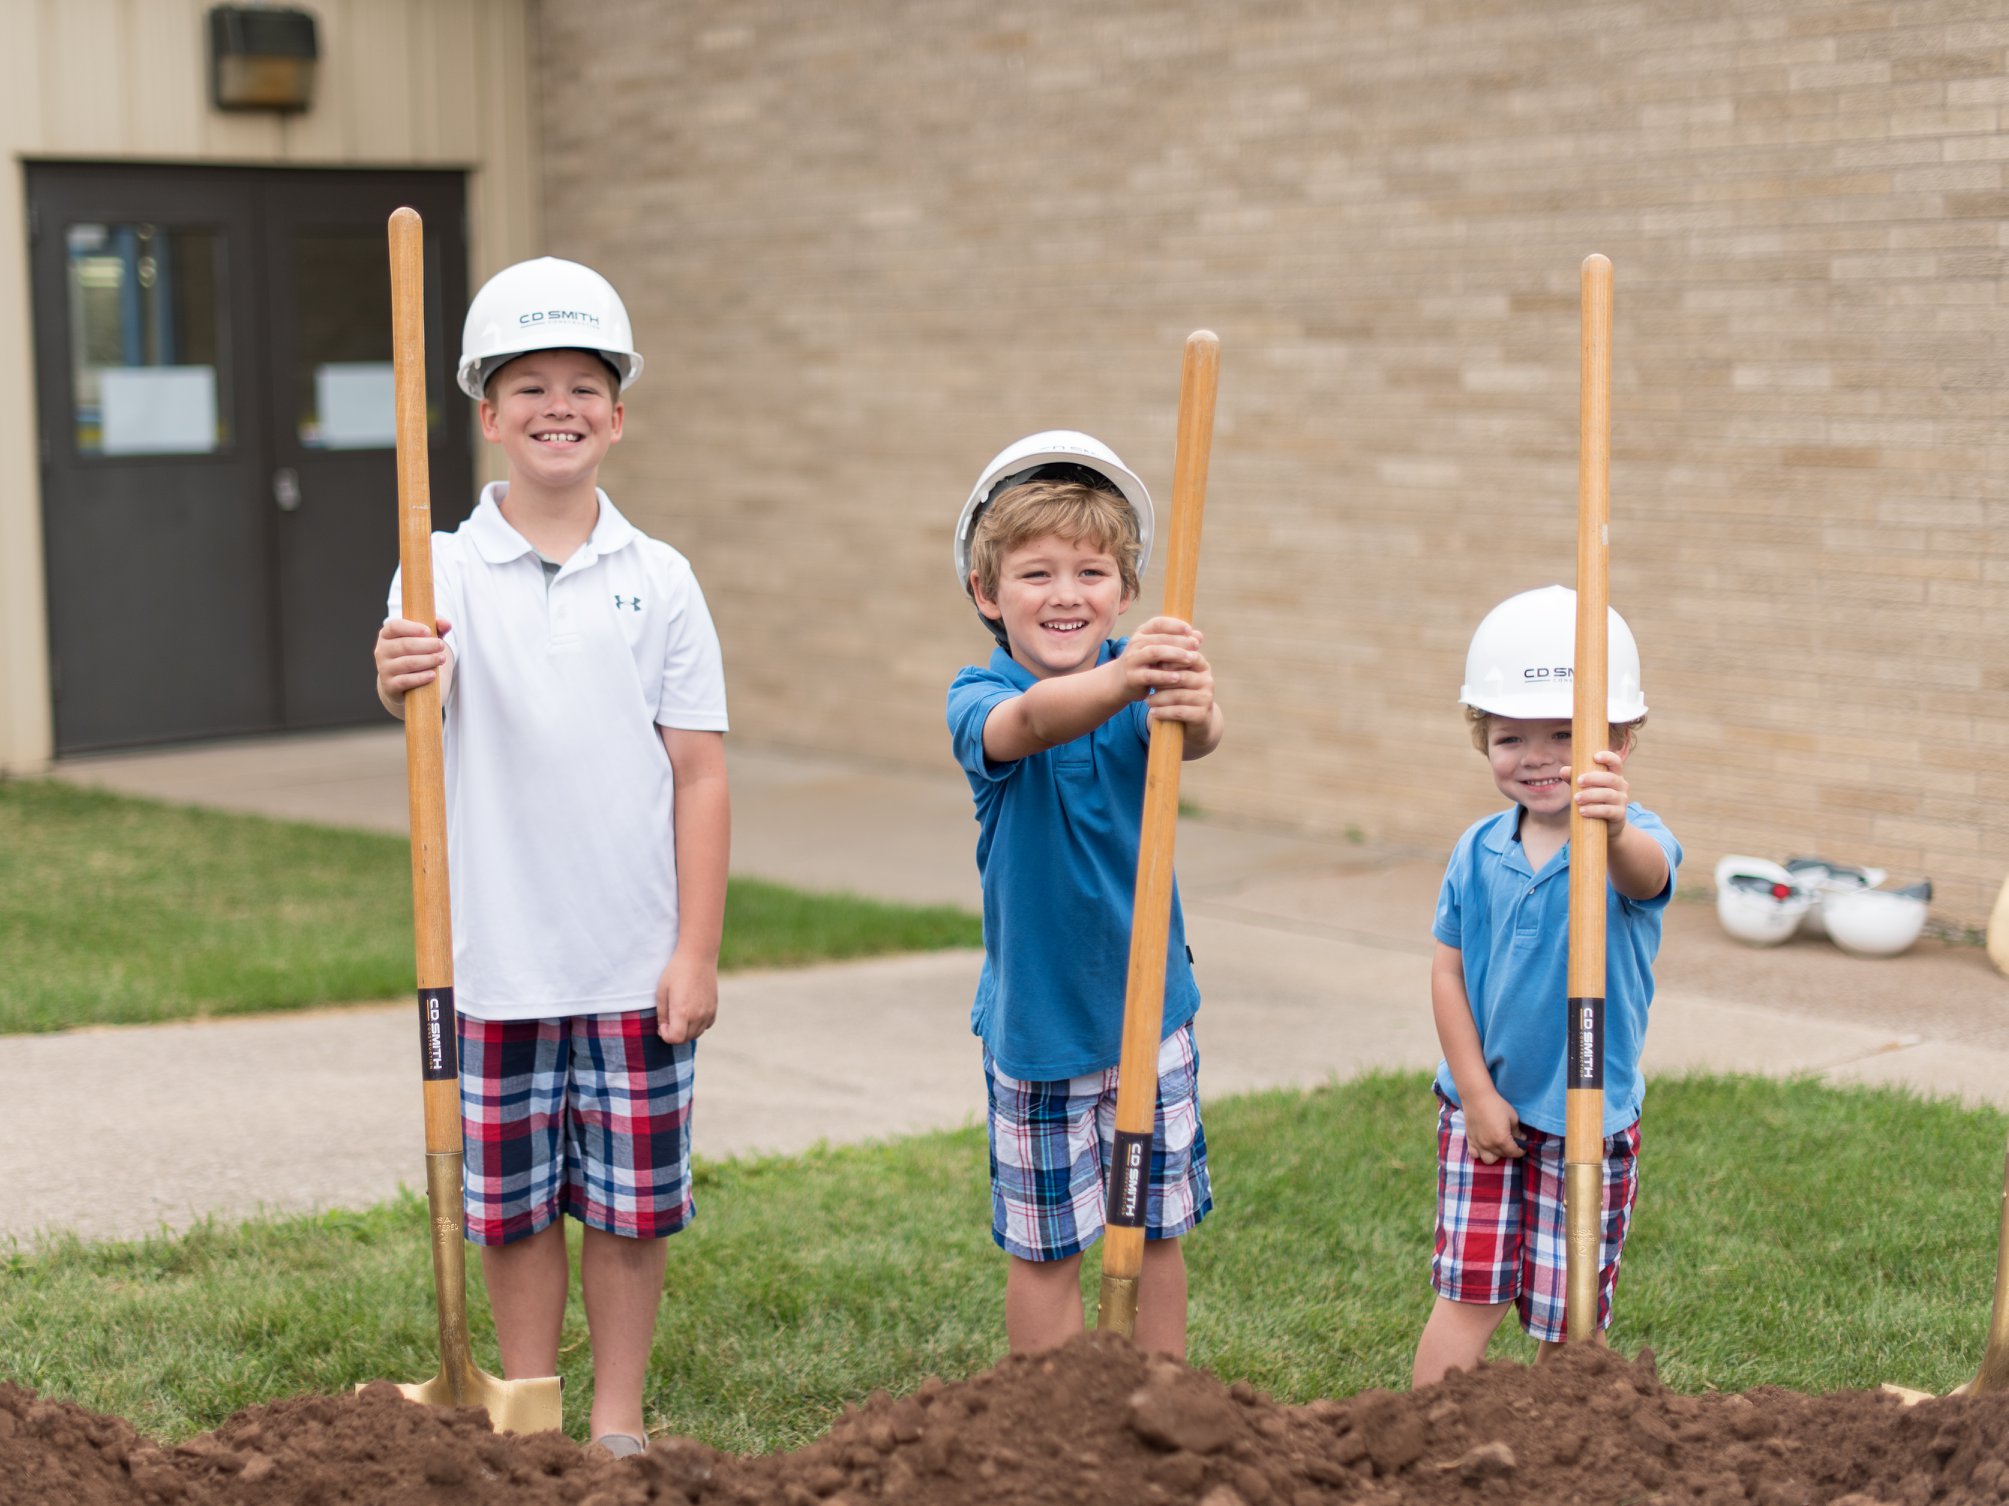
[{"x": 1094, "y": 1422}]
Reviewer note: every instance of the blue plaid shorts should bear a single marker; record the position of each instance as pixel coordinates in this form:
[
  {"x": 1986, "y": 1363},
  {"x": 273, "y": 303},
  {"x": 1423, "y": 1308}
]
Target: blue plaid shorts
[
  {"x": 1051, "y": 1143},
  {"x": 588, "y": 1115}
]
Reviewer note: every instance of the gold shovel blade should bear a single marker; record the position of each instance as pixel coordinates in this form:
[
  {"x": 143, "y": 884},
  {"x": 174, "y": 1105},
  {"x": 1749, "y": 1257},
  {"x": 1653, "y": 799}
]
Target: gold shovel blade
[{"x": 532, "y": 1405}]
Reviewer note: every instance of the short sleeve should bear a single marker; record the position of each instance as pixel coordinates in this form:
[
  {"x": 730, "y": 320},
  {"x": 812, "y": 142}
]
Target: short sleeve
[
  {"x": 1448, "y": 924},
  {"x": 1139, "y": 713},
  {"x": 693, "y": 682},
  {"x": 973, "y": 695}
]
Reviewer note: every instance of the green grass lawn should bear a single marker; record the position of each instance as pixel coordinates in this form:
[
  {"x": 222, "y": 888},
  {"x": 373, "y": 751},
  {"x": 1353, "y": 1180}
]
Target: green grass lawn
[
  {"x": 1788, "y": 1234},
  {"x": 120, "y": 911}
]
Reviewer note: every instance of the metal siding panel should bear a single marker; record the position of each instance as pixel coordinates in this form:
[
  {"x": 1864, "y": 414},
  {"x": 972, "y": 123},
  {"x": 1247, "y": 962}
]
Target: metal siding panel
[
  {"x": 85, "y": 107},
  {"x": 380, "y": 82},
  {"x": 502, "y": 192},
  {"x": 456, "y": 69},
  {"x": 23, "y": 66},
  {"x": 422, "y": 81},
  {"x": 518, "y": 159},
  {"x": 26, "y": 735},
  {"x": 167, "y": 76},
  {"x": 326, "y": 132}
]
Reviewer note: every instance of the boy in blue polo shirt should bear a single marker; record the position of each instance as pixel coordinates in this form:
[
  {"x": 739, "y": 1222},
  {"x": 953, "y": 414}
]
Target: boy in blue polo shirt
[
  {"x": 1052, "y": 735},
  {"x": 1497, "y": 986}
]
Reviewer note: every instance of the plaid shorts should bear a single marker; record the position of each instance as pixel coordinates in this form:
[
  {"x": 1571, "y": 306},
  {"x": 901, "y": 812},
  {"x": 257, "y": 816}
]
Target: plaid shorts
[
  {"x": 588, "y": 1115},
  {"x": 1051, "y": 1142},
  {"x": 1502, "y": 1235}
]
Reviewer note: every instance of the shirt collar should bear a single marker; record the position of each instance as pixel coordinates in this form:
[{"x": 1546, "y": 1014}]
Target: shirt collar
[
  {"x": 1502, "y": 836},
  {"x": 499, "y": 543},
  {"x": 1003, "y": 664}
]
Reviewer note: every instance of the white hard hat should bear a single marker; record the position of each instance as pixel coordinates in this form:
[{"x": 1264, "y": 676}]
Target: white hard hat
[
  {"x": 1018, "y": 463},
  {"x": 1028, "y": 459},
  {"x": 1824, "y": 878},
  {"x": 1758, "y": 901},
  {"x": 545, "y": 304},
  {"x": 1522, "y": 655},
  {"x": 1877, "y": 922}
]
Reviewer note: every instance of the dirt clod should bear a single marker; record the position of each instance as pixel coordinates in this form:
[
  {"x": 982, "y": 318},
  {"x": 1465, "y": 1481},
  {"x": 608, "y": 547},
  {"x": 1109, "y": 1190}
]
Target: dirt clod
[{"x": 1095, "y": 1423}]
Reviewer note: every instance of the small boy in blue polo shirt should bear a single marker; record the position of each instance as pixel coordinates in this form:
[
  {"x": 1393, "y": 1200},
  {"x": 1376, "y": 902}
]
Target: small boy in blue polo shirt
[
  {"x": 1053, "y": 735},
  {"x": 1497, "y": 986}
]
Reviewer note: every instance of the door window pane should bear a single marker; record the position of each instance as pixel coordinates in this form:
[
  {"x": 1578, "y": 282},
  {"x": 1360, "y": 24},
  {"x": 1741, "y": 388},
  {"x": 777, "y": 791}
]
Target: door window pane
[
  {"x": 342, "y": 279},
  {"x": 146, "y": 340}
]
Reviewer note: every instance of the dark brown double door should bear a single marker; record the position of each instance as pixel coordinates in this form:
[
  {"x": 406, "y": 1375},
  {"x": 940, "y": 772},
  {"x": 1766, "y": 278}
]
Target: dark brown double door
[{"x": 212, "y": 360}]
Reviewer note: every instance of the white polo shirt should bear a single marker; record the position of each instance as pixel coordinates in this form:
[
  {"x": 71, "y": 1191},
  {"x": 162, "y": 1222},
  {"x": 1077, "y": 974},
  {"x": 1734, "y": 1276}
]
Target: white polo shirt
[{"x": 560, "y": 843}]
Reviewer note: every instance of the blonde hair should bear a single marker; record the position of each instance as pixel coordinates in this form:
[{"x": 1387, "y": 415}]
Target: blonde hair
[
  {"x": 1071, "y": 510},
  {"x": 1623, "y": 737}
]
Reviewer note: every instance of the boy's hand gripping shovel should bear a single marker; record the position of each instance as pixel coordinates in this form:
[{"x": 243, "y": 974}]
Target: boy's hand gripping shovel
[
  {"x": 1151, "y": 915},
  {"x": 533, "y": 1405},
  {"x": 1590, "y": 732}
]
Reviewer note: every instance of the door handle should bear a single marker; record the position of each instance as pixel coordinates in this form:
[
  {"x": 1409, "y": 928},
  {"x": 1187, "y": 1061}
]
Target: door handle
[{"x": 286, "y": 488}]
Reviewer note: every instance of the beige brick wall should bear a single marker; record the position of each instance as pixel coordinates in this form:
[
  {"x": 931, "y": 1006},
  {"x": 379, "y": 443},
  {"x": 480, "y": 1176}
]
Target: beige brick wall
[{"x": 867, "y": 244}]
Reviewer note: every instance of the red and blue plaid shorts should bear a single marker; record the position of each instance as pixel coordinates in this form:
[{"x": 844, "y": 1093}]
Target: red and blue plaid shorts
[
  {"x": 1502, "y": 1235},
  {"x": 1051, "y": 1143},
  {"x": 588, "y": 1115}
]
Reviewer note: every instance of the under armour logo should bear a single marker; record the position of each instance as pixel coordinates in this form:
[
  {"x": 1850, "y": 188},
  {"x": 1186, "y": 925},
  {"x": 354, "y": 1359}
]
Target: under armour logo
[{"x": 632, "y": 603}]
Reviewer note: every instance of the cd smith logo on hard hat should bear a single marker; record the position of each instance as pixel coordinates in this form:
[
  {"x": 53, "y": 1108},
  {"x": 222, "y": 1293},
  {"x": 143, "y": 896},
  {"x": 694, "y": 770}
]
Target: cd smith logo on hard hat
[
  {"x": 1560, "y": 672},
  {"x": 568, "y": 316}
]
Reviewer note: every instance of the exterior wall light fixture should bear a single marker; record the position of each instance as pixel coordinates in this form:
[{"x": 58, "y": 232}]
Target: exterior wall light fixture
[{"x": 262, "y": 57}]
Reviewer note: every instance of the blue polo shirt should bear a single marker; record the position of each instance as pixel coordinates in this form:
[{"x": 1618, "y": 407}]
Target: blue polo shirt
[
  {"x": 1057, "y": 838},
  {"x": 1511, "y": 926}
]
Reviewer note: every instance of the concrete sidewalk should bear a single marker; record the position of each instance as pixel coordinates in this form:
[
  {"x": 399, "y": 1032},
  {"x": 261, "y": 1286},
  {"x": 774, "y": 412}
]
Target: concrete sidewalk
[{"x": 1313, "y": 958}]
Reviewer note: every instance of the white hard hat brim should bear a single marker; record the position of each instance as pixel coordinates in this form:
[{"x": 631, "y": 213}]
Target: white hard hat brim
[{"x": 474, "y": 371}]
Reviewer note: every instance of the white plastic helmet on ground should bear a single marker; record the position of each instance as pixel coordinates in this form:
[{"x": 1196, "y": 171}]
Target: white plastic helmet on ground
[
  {"x": 545, "y": 304},
  {"x": 1758, "y": 901},
  {"x": 1049, "y": 455},
  {"x": 1522, "y": 656},
  {"x": 1877, "y": 922},
  {"x": 1825, "y": 878}
]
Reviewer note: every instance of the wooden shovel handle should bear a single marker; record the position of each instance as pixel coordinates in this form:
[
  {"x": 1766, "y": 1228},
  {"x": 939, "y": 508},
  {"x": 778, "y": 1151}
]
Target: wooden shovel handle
[
  {"x": 1583, "y": 1114},
  {"x": 1590, "y": 730},
  {"x": 425, "y": 775},
  {"x": 1151, "y": 915}
]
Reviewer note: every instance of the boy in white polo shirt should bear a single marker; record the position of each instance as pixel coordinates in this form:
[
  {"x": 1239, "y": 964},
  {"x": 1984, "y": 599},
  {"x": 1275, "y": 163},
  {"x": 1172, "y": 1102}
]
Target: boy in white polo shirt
[{"x": 588, "y": 827}]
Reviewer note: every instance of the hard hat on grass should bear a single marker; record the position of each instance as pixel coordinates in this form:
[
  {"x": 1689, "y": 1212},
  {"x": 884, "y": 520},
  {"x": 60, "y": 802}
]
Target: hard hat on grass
[
  {"x": 1051, "y": 455},
  {"x": 545, "y": 304},
  {"x": 1522, "y": 658}
]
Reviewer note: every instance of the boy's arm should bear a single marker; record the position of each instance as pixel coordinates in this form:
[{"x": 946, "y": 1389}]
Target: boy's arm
[
  {"x": 1635, "y": 862},
  {"x": 408, "y": 654},
  {"x": 1161, "y": 656},
  {"x": 687, "y": 992},
  {"x": 1490, "y": 1121}
]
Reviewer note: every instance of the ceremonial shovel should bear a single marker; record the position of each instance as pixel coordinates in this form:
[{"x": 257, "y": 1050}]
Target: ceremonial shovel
[
  {"x": 1151, "y": 915},
  {"x": 1994, "y": 1373},
  {"x": 536, "y": 1404}
]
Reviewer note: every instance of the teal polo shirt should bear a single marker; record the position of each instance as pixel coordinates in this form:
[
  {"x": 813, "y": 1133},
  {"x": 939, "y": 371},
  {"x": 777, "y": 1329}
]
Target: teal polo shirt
[
  {"x": 1057, "y": 839},
  {"x": 1511, "y": 926}
]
